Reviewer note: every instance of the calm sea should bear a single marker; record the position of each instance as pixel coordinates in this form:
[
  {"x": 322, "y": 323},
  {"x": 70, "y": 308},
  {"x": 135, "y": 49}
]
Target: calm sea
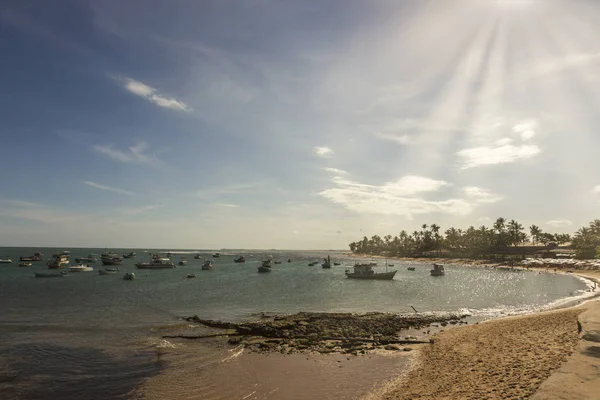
[{"x": 90, "y": 336}]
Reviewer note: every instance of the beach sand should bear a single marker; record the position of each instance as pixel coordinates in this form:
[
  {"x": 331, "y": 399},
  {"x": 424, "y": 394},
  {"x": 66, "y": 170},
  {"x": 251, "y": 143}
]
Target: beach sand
[{"x": 501, "y": 359}]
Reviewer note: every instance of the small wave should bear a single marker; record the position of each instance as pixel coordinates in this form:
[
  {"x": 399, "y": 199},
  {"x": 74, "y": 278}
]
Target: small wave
[{"x": 236, "y": 353}]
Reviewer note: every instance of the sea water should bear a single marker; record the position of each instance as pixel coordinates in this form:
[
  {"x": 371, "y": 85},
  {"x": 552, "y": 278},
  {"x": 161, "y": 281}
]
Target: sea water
[{"x": 91, "y": 336}]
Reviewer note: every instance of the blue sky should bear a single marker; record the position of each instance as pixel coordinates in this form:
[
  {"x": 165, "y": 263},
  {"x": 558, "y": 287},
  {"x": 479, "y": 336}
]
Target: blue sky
[{"x": 285, "y": 124}]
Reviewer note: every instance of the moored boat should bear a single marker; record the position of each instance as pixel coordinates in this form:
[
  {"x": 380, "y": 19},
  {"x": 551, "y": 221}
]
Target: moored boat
[
  {"x": 129, "y": 276},
  {"x": 410, "y": 268},
  {"x": 337, "y": 263},
  {"x": 365, "y": 271},
  {"x": 207, "y": 265},
  {"x": 25, "y": 264},
  {"x": 182, "y": 261},
  {"x": 129, "y": 255},
  {"x": 192, "y": 275},
  {"x": 88, "y": 259},
  {"x": 5, "y": 260},
  {"x": 265, "y": 266},
  {"x": 217, "y": 255},
  {"x": 198, "y": 256},
  {"x": 438, "y": 270},
  {"x": 156, "y": 263},
  {"x": 107, "y": 271},
  {"x": 58, "y": 262},
  {"x": 240, "y": 259},
  {"x": 327, "y": 263},
  {"x": 35, "y": 257},
  {"x": 80, "y": 268},
  {"x": 50, "y": 274},
  {"x": 111, "y": 259}
]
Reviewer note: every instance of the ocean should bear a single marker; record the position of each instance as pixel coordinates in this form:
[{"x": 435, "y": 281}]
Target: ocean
[{"x": 95, "y": 337}]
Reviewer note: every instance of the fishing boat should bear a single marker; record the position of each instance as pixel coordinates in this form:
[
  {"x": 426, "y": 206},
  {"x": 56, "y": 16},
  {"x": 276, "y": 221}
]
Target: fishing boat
[
  {"x": 129, "y": 276},
  {"x": 265, "y": 266},
  {"x": 410, "y": 268},
  {"x": 5, "y": 260},
  {"x": 66, "y": 253},
  {"x": 58, "y": 262},
  {"x": 35, "y": 257},
  {"x": 327, "y": 263},
  {"x": 50, "y": 274},
  {"x": 156, "y": 263},
  {"x": 365, "y": 271},
  {"x": 111, "y": 259},
  {"x": 87, "y": 260},
  {"x": 438, "y": 270},
  {"x": 80, "y": 268},
  {"x": 240, "y": 259},
  {"x": 25, "y": 264},
  {"x": 182, "y": 261},
  {"x": 207, "y": 265},
  {"x": 217, "y": 255},
  {"x": 129, "y": 255},
  {"x": 106, "y": 271}
]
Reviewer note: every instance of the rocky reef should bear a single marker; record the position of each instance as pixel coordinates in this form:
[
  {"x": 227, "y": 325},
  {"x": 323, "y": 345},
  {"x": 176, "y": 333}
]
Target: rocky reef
[{"x": 329, "y": 332}]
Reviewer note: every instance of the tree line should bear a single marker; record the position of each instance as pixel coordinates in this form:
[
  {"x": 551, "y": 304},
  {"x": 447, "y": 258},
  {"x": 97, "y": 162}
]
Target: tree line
[{"x": 502, "y": 238}]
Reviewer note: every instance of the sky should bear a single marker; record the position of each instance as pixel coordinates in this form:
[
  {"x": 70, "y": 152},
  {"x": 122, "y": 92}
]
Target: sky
[{"x": 293, "y": 125}]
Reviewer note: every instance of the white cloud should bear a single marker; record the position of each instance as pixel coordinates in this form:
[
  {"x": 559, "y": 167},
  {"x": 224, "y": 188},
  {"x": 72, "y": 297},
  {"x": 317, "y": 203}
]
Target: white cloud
[
  {"x": 503, "y": 141},
  {"x": 559, "y": 223},
  {"x": 131, "y": 155},
  {"x": 336, "y": 171},
  {"x": 151, "y": 94},
  {"x": 323, "y": 151},
  {"x": 400, "y": 139},
  {"x": 480, "y": 195},
  {"x": 108, "y": 188},
  {"x": 484, "y": 220},
  {"x": 228, "y": 205},
  {"x": 527, "y": 129},
  {"x": 596, "y": 190},
  {"x": 499, "y": 154},
  {"x": 140, "y": 210}
]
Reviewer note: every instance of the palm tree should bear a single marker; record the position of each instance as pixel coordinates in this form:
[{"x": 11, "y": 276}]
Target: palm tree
[{"x": 535, "y": 232}]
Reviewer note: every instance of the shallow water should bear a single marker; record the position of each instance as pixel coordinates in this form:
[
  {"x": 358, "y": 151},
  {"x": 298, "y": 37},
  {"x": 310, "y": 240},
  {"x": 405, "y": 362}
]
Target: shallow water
[{"x": 71, "y": 337}]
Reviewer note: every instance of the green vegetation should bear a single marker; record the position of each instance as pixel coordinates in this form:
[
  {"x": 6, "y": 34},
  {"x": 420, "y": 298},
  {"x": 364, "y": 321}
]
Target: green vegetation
[{"x": 503, "y": 239}]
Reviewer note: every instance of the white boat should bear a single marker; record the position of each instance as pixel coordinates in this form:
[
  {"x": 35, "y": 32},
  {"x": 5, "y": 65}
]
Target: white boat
[
  {"x": 265, "y": 266},
  {"x": 365, "y": 271},
  {"x": 25, "y": 264},
  {"x": 5, "y": 260},
  {"x": 107, "y": 272},
  {"x": 156, "y": 263},
  {"x": 80, "y": 268},
  {"x": 207, "y": 265},
  {"x": 191, "y": 275},
  {"x": 111, "y": 259},
  {"x": 89, "y": 259},
  {"x": 438, "y": 270},
  {"x": 182, "y": 261}
]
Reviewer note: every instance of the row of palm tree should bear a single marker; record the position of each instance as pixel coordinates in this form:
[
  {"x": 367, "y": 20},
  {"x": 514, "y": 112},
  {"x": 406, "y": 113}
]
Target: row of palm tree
[{"x": 472, "y": 242}]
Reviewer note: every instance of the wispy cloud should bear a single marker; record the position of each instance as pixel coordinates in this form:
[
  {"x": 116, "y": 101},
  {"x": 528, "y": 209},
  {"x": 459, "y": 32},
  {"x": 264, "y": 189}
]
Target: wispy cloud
[
  {"x": 500, "y": 153},
  {"x": 228, "y": 205},
  {"x": 527, "y": 129},
  {"x": 149, "y": 93},
  {"x": 557, "y": 223},
  {"x": 140, "y": 210},
  {"x": 323, "y": 151},
  {"x": 39, "y": 212},
  {"x": 394, "y": 198},
  {"x": 229, "y": 189},
  {"x": 132, "y": 155},
  {"x": 335, "y": 171},
  {"x": 480, "y": 195},
  {"x": 108, "y": 188}
]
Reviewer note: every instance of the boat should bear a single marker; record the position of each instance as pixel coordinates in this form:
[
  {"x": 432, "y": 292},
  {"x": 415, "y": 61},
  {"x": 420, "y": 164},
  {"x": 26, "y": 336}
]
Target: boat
[
  {"x": 106, "y": 271},
  {"x": 25, "y": 264},
  {"x": 265, "y": 266},
  {"x": 50, "y": 274},
  {"x": 217, "y": 255},
  {"x": 411, "y": 268},
  {"x": 58, "y": 262},
  {"x": 5, "y": 260},
  {"x": 87, "y": 260},
  {"x": 207, "y": 265},
  {"x": 336, "y": 263},
  {"x": 80, "y": 268},
  {"x": 129, "y": 255},
  {"x": 35, "y": 257},
  {"x": 277, "y": 262},
  {"x": 112, "y": 269},
  {"x": 66, "y": 253},
  {"x": 240, "y": 259},
  {"x": 312, "y": 264},
  {"x": 129, "y": 276},
  {"x": 111, "y": 259},
  {"x": 438, "y": 270},
  {"x": 289, "y": 260},
  {"x": 327, "y": 263},
  {"x": 191, "y": 275},
  {"x": 198, "y": 256},
  {"x": 365, "y": 271},
  {"x": 182, "y": 261},
  {"x": 156, "y": 263}
]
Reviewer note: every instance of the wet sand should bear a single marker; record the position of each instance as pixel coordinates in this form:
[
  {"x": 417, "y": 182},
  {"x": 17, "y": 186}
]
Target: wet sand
[{"x": 501, "y": 359}]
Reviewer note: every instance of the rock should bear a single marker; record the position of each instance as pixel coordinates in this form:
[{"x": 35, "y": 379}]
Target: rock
[
  {"x": 391, "y": 347},
  {"x": 407, "y": 349},
  {"x": 235, "y": 340}
]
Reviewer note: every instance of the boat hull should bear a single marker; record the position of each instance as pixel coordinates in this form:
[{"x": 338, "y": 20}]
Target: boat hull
[
  {"x": 264, "y": 269},
  {"x": 112, "y": 262},
  {"x": 105, "y": 272},
  {"x": 434, "y": 273},
  {"x": 48, "y": 275},
  {"x": 382, "y": 276}
]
